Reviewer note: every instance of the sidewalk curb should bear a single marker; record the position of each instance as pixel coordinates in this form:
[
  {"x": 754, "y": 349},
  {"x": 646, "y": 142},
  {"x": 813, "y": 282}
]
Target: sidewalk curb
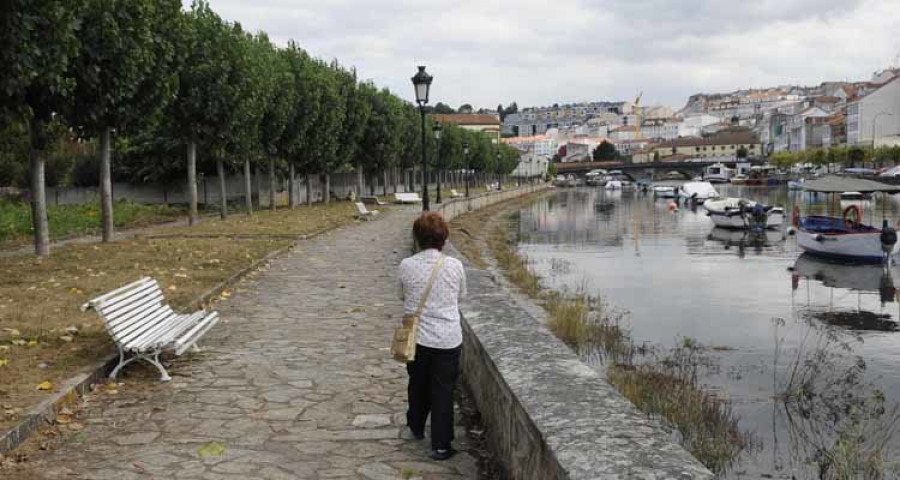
[{"x": 76, "y": 386}]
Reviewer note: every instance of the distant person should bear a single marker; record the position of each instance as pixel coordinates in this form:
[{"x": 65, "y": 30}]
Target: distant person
[{"x": 433, "y": 374}]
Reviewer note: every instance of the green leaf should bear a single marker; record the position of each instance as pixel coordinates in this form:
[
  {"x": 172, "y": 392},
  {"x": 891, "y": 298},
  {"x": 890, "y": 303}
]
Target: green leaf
[{"x": 211, "y": 449}]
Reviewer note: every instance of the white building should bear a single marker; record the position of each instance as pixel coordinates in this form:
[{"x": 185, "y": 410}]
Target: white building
[
  {"x": 666, "y": 130},
  {"x": 545, "y": 145},
  {"x": 531, "y": 165},
  {"x": 875, "y": 118},
  {"x": 692, "y": 125}
]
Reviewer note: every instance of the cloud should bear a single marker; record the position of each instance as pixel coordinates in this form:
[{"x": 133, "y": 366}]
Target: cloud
[{"x": 536, "y": 52}]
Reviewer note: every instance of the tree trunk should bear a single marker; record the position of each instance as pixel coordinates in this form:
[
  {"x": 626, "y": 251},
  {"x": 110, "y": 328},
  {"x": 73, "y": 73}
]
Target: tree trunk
[
  {"x": 223, "y": 193},
  {"x": 248, "y": 188},
  {"x": 106, "y": 204},
  {"x": 327, "y": 188},
  {"x": 192, "y": 182},
  {"x": 292, "y": 184},
  {"x": 359, "y": 180},
  {"x": 309, "y": 192},
  {"x": 384, "y": 174},
  {"x": 272, "y": 205},
  {"x": 39, "y": 204}
]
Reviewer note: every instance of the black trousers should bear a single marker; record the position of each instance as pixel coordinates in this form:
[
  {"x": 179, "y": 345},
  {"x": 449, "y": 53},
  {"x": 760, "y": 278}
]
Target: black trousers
[{"x": 432, "y": 377}]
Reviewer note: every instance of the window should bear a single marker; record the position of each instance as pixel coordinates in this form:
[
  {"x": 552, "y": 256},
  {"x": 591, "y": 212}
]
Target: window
[{"x": 732, "y": 147}]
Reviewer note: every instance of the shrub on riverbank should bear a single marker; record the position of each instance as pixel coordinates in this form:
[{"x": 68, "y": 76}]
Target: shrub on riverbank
[{"x": 664, "y": 387}]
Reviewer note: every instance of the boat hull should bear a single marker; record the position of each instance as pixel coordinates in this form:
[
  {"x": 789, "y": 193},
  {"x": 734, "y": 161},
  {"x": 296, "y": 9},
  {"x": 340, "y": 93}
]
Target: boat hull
[
  {"x": 774, "y": 220},
  {"x": 851, "y": 246}
]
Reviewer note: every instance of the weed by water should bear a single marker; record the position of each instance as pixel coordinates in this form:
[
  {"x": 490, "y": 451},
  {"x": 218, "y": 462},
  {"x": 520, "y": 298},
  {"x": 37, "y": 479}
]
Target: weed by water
[{"x": 666, "y": 387}]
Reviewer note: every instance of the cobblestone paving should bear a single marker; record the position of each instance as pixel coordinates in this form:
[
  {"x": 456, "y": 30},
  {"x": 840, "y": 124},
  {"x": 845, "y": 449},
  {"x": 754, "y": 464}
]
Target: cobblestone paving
[{"x": 296, "y": 383}]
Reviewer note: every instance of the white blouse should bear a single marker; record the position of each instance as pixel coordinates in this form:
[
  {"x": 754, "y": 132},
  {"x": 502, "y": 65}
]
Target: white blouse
[{"x": 439, "y": 325}]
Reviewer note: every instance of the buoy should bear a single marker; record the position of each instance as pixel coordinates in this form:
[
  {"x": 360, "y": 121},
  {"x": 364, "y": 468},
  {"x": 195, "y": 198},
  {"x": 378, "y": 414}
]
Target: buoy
[{"x": 672, "y": 206}]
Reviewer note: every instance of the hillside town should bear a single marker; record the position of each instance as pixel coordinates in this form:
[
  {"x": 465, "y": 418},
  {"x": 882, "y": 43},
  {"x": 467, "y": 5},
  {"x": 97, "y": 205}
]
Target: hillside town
[{"x": 715, "y": 126}]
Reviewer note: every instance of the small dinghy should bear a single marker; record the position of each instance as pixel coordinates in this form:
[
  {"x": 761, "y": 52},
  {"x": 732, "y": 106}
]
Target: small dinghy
[{"x": 743, "y": 214}]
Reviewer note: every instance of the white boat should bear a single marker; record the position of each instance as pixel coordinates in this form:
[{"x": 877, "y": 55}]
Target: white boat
[
  {"x": 846, "y": 236},
  {"x": 596, "y": 178},
  {"x": 717, "y": 173},
  {"x": 613, "y": 185},
  {"x": 795, "y": 184},
  {"x": 743, "y": 213},
  {"x": 664, "y": 191},
  {"x": 697, "y": 191}
]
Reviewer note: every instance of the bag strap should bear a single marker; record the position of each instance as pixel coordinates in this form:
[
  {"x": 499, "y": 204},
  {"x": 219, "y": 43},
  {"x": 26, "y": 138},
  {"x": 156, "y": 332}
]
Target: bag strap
[{"x": 427, "y": 293}]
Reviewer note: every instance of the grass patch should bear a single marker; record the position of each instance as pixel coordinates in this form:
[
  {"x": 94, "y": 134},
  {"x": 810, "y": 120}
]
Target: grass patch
[
  {"x": 73, "y": 220},
  {"x": 40, "y": 299},
  {"x": 663, "y": 386}
]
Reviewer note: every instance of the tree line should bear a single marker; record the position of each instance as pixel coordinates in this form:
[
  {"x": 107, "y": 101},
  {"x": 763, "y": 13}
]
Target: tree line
[
  {"x": 846, "y": 156},
  {"x": 175, "y": 92}
]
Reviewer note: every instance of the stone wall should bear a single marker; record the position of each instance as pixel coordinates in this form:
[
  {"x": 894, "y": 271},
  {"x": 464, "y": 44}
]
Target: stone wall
[{"x": 549, "y": 415}]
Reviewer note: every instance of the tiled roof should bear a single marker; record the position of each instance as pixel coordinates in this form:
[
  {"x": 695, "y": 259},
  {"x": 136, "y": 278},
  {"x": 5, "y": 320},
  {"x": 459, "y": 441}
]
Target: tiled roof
[
  {"x": 625, "y": 128},
  {"x": 466, "y": 119},
  {"x": 726, "y": 137}
]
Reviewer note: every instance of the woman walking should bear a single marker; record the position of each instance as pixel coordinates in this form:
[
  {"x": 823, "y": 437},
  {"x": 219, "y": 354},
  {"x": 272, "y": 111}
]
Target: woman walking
[{"x": 433, "y": 373}]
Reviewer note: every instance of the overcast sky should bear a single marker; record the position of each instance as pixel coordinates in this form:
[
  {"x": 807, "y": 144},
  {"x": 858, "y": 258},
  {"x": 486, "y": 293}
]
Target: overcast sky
[{"x": 538, "y": 52}]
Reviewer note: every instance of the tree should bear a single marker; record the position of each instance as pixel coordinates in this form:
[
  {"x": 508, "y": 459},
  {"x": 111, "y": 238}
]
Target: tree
[
  {"x": 605, "y": 151},
  {"x": 125, "y": 73},
  {"x": 324, "y": 138},
  {"x": 205, "y": 107},
  {"x": 357, "y": 108},
  {"x": 298, "y": 132},
  {"x": 742, "y": 152},
  {"x": 465, "y": 109},
  {"x": 380, "y": 144},
  {"x": 443, "y": 109},
  {"x": 277, "y": 109},
  {"x": 38, "y": 40}
]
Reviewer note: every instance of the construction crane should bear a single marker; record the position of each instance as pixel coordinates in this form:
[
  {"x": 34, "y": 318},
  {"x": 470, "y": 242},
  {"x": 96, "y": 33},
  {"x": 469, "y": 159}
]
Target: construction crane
[{"x": 637, "y": 115}]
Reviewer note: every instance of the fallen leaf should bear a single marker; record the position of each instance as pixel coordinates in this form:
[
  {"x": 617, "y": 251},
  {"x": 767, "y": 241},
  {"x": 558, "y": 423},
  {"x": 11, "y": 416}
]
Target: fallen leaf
[
  {"x": 47, "y": 385},
  {"x": 63, "y": 419},
  {"x": 4, "y": 362},
  {"x": 32, "y": 343},
  {"x": 172, "y": 288},
  {"x": 211, "y": 449}
]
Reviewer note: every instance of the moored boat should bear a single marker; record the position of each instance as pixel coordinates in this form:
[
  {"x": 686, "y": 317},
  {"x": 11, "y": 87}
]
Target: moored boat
[
  {"x": 697, "y": 191},
  {"x": 743, "y": 214},
  {"x": 845, "y": 237},
  {"x": 664, "y": 191},
  {"x": 739, "y": 179}
]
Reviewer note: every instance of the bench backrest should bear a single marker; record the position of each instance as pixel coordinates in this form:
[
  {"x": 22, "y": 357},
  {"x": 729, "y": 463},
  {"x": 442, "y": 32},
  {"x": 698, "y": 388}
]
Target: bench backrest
[
  {"x": 362, "y": 208},
  {"x": 131, "y": 311},
  {"x": 407, "y": 196}
]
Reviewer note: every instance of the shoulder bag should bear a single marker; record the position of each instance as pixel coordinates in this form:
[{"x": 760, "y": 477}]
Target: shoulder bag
[{"x": 403, "y": 348}]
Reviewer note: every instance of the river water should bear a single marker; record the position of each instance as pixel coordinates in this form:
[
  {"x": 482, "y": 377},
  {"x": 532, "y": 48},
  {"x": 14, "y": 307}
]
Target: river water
[{"x": 769, "y": 312}]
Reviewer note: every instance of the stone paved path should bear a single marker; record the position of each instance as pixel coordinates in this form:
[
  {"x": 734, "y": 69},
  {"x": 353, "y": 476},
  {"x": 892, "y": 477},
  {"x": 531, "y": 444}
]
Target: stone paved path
[{"x": 298, "y": 382}]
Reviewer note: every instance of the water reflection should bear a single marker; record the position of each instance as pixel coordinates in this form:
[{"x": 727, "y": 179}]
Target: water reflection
[{"x": 681, "y": 277}]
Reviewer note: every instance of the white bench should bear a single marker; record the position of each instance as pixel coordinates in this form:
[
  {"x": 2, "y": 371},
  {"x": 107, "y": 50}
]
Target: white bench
[
  {"x": 408, "y": 198},
  {"x": 365, "y": 213},
  {"x": 143, "y": 326},
  {"x": 369, "y": 200},
  {"x": 455, "y": 194}
]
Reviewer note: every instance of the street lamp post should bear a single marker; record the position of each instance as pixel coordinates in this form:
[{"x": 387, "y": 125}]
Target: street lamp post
[
  {"x": 466, "y": 155},
  {"x": 422, "y": 82},
  {"x": 874, "y": 123},
  {"x": 437, "y": 136},
  {"x": 497, "y": 173}
]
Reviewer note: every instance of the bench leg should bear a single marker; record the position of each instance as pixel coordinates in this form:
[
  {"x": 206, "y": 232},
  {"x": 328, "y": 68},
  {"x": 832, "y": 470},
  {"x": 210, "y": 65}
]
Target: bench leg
[
  {"x": 196, "y": 348},
  {"x": 122, "y": 363},
  {"x": 152, "y": 359}
]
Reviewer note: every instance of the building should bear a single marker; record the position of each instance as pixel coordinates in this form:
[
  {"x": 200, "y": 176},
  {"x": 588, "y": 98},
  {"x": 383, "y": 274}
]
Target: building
[
  {"x": 836, "y": 130},
  {"x": 692, "y": 125},
  {"x": 487, "y": 124},
  {"x": 625, "y": 132},
  {"x": 807, "y": 129},
  {"x": 542, "y": 145},
  {"x": 628, "y": 148},
  {"x": 875, "y": 118},
  {"x": 723, "y": 144},
  {"x": 665, "y": 129},
  {"x": 531, "y": 165}
]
